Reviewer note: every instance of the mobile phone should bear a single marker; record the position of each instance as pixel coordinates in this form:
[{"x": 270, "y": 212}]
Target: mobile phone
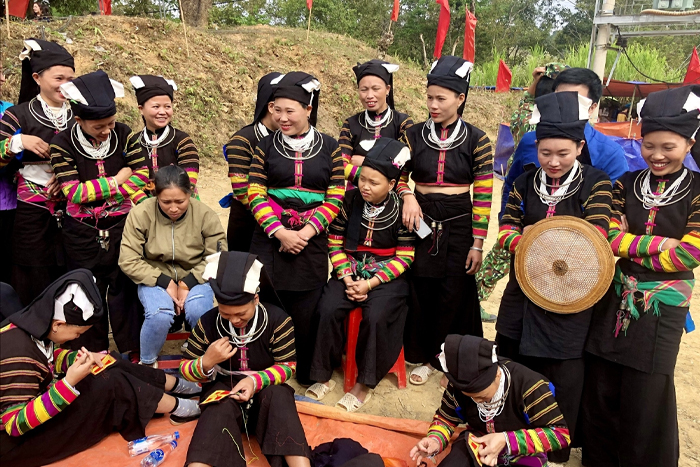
[{"x": 423, "y": 229}]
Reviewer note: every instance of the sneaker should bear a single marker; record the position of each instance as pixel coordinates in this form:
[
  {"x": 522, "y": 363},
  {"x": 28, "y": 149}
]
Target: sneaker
[
  {"x": 487, "y": 317},
  {"x": 175, "y": 420}
]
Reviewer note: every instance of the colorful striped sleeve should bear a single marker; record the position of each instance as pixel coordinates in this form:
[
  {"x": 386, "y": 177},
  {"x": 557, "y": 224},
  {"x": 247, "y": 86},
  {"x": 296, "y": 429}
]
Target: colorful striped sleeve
[
  {"x": 482, "y": 188},
  {"x": 549, "y": 431},
  {"x": 275, "y": 375},
  {"x": 9, "y": 127},
  {"x": 446, "y": 419},
  {"x": 257, "y": 195},
  {"x": 336, "y": 244},
  {"x": 405, "y": 252},
  {"x": 627, "y": 245},
  {"x": 597, "y": 208},
  {"x": 63, "y": 359},
  {"x": 188, "y": 158},
  {"x": 19, "y": 419},
  {"x": 239, "y": 154},
  {"x": 511, "y": 226},
  {"x": 345, "y": 142},
  {"x": 136, "y": 160},
  {"x": 402, "y": 187},
  {"x": 192, "y": 368},
  {"x": 335, "y": 193}
]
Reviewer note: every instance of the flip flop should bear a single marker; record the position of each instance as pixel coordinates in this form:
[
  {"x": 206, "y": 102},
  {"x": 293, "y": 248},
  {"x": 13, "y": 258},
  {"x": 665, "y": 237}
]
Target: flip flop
[
  {"x": 351, "y": 403},
  {"x": 318, "y": 391},
  {"x": 423, "y": 372}
]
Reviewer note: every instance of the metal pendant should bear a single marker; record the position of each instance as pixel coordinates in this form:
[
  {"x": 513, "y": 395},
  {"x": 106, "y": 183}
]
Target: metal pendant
[
  {"x": 103, "y": 239},
  {"x": 59, "y": 218}
]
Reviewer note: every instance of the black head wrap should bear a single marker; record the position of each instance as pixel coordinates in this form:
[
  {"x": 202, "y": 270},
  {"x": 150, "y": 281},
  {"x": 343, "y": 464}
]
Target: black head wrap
[
  {"x": 452, "y": 73},
  {"x": 148, "y": 86},
  {"x": 470, "y": 362},
  {"x": 388, "y": 156},
  {"x": 301, "y": 87},
  {"x": 36, "y": 318},
  {"x": 36, "y": 57},
  {"x": 234, "y": 269},
  {"x": 664, "y": 111},
  {"x": 92, "y": 95},
  {"x": 265, "y": 95},
  {"x": 560, "y": 116},
  {"x": 380, "y": 69}
]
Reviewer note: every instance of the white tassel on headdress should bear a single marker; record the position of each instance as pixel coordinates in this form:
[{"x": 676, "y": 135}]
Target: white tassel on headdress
[{"x": 77, "y": 294}]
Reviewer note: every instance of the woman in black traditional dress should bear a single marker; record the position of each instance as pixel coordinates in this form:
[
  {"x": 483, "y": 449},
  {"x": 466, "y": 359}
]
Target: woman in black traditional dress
[
  {"x": 375, "y": 86},
  {"x": 26, "y": 130},
  {"x": 629, "y": 402},
  {"x": 296, "y": 190},
  {"x": 510, "y": 411},
  {"x": 101, "y": 179},
  {"x": 239, "y": 154},
  {"x": 449, "y": 158},
  {"x": 161, "y": 143},
  {"x": 370, "y": 250},
  {"x": 552, "y": 343},
  {"x": 243, "y": 352},
  {"x": 46, "y": 419}
]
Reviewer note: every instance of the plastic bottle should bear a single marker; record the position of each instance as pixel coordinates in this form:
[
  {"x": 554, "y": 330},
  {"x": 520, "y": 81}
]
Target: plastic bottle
[
  {"x": 157, "y": 456},
  {"x": 143, "y": 445}
]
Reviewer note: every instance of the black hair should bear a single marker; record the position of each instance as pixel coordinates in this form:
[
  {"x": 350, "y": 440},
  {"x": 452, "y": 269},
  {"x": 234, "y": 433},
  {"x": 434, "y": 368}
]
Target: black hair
[
  {"x": 544, "y": 86},
  {"x": 172, "y": 176},
  {"x": 582, "y": 76}
]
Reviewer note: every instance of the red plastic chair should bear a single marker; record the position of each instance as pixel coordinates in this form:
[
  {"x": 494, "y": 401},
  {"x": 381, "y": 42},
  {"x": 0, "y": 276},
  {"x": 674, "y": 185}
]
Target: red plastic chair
[
  {"x": 350, "y": 366},
  {"x": 169, "y": 364}
]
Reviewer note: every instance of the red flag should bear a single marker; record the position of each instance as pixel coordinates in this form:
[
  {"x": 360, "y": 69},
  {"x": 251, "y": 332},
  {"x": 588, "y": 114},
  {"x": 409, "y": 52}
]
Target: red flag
[
  {"x": 309, "y": 4},
  {"x": 443, "y": 26},
  {"x": 395, "y": 11},
  {"x": 105, "y": 7},
  {"x": 469, "y": 31},
  {"x": 505, "y": 77},
  {"x": 692, "y": 76},
  {"x": 18, "y": 8}
]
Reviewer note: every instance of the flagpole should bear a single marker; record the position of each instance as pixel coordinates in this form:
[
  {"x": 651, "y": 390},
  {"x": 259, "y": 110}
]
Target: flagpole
[
  {"x": 390, "y": 23},
  {"x": 308, "y": 28},
  {"x": 7, "y": 17}
]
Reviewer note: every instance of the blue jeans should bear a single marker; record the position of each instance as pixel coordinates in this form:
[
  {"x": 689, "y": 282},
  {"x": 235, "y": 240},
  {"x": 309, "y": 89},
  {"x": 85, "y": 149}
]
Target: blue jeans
[{"x": 160, "y": 312}]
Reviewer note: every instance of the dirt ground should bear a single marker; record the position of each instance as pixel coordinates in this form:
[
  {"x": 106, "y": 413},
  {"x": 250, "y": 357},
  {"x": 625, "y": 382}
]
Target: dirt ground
[{"x": 420, "y": 402}]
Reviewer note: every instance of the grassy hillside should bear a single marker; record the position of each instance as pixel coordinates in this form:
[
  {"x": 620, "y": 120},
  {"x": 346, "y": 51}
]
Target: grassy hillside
[{"x": 217, "y": 83}]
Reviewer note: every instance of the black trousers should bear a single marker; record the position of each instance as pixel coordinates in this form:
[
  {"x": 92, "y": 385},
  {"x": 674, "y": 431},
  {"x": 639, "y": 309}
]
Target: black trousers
[
  {"x": 629, "y": 417},
  {"x": 301, "y": 306},
  {"x": 381, "y": 330},
  {"x": 272, "y": 419},
  {"x": 567, "y": 376},
  {"x": 123, "y": 398},
  {"x": 7, "y": 223},
  {"x": 241, "y": 225},
  {"x": 118, "y": 292},
  {"x": 438, "y": 307}
]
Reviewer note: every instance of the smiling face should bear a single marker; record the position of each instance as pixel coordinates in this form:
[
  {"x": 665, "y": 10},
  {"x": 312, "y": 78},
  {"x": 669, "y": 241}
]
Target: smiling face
[
  {"x": 157, "y": 112},
  {"x": 665, "y": 151},
  {"x": 173, "y": 202},
  {"x": 557, "y": 155},
  {"x": 50, "y": 81},
  {"x": 239, "y": 315},
  {"x": 443, "y": 104},
  {"x": 98, "y": 129},
  {"x": 373, "y": 93},
  {"x": 61, "y": 332},
  {"x": 291, "y": 116},
  {"x": 374, "y": 186}
]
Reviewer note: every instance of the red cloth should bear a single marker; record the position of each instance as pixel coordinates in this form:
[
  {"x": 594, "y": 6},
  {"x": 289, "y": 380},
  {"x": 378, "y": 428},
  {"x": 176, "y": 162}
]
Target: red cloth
[
  {"x": 18, "y": 8},
  {"x": 395, "y": 11},
  {"x": 692, "y": 76},
  {"x": 309, "y": 4},
  {"x": 105, "y": 7},
  {"x": 505, "y": 77},
  {"x": 443, "y": 26},
  {"x": 469, "y": 32}
]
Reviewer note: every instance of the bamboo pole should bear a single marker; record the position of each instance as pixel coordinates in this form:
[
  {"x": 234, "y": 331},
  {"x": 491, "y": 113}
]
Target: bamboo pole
[
  {"x": 184, "y": 27},
  {"x": 308, "y": 28},
  {"x": 7, "y": 17}
]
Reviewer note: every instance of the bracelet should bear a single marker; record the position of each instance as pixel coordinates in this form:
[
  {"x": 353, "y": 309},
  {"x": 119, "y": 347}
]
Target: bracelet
[
  {"x": 662, "y": 243},
  {"x": 505, "y": 434},
  {"x": 369, "y": 285},
  {"x": 475, "y": 248}
]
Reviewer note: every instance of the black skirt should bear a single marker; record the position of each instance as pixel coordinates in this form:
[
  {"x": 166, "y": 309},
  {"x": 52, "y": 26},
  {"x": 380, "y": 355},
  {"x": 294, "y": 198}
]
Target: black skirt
[
  {"x": 123, "y": 398},
  {"x": 241, "y": 225},
  {"x": 272, "y": 419}
]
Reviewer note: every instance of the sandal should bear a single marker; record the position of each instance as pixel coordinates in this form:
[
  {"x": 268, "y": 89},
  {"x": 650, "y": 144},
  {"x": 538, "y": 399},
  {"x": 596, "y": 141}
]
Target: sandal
[
  {"x": 351, "y": 403},
  {"x": 424, "y": 372},
  {"x": 318, "y": 391}
]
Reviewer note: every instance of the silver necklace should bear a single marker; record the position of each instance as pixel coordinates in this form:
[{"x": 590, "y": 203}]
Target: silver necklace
[
  {"x": 99, "y": 153},
  {"x": 492, "y": 409},
  {"x": 241, "y": 340},
  {"x": 371, "y": 213},
  {"x": 672, "y": 195},
  {"x": 563, "y": 191},
  {"x": 58, "y": 122},
  {"x": 382, "y": 122},
  {"x": 281, "y": 143},
  {"x": 156, "y": 143},
  {"x": 458, "y": 136}
]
